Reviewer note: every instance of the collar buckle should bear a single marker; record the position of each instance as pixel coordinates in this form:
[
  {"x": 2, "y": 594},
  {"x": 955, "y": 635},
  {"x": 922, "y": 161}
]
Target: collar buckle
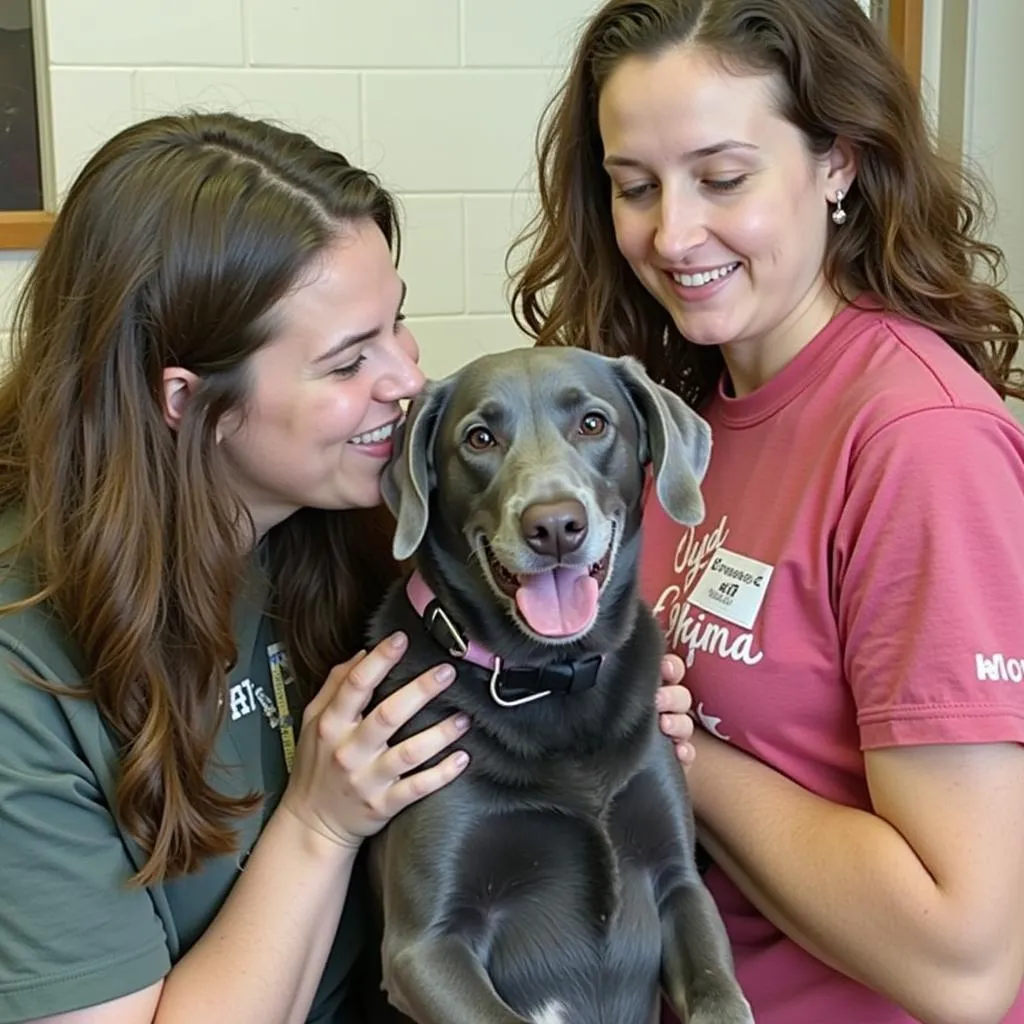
[
  {"x": 444, "y": 631},
  {"x": 510, "y": 702}
]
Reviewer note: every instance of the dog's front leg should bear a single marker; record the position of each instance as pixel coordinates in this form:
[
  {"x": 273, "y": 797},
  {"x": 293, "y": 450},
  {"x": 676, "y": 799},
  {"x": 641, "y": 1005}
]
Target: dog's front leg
[
  {"x": 431, "y": 973},
  {"x": 439, "y": 980},
  {"x": 696, "y": 961}
]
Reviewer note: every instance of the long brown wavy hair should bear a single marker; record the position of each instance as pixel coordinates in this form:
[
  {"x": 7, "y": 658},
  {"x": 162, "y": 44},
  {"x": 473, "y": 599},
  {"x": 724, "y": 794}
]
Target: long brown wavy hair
[
  {"x": 172, "y": 248},
  {"x": 913, "y": 231}
]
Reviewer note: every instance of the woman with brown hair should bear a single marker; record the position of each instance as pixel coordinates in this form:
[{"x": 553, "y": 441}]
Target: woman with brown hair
[
  {"x": 743, "y": 194},
  {"x": 209, "y": 361}
]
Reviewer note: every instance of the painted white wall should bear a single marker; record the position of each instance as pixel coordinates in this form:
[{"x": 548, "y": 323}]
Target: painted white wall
[
  {"x": 440, "y": 97},
  {"x": 989, "y": 104},
  {"x": 994, "y": 120}
]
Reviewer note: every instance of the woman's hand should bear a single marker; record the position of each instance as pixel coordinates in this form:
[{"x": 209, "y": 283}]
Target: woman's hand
[
  {"x": 673, "y": 702},
  {"x": 347, "y": 782}
]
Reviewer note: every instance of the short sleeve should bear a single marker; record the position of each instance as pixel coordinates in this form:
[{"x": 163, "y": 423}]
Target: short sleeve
[
  {"x": 928, "y": 580},
  {"x": 72, "y": 932}
]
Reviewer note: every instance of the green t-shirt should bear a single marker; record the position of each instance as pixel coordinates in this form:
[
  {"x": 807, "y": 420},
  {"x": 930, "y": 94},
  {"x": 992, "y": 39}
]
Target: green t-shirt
[{"x": 72, "y": 932}]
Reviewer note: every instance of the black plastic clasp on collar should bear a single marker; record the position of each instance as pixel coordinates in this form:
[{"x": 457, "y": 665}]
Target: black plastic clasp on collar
[{"x": 511, "y": 686}]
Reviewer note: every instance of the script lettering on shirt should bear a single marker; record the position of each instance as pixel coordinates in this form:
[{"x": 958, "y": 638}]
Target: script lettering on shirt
[
  {"x": 689, "y": 632},
  {"x": 692, "y": 556},
  {"x": 689, "y": 629}
]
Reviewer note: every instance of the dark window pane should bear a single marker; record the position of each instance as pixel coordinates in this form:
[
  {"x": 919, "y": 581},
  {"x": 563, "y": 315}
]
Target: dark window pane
[{"x": 20, "y": 175}]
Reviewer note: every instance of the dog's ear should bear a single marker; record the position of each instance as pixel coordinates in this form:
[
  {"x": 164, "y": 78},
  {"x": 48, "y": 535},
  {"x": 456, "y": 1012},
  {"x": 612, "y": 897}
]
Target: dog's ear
[
  {"x": 673, "y": 437},
  {"x": 409, "y": 477}
]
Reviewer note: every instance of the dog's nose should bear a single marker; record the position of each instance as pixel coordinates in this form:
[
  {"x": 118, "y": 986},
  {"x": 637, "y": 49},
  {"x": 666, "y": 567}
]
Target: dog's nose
[{"x": 554, "y": 528}]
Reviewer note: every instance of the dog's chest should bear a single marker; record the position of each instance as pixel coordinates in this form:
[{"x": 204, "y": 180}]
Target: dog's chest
[{"x": 532, "y": 875}]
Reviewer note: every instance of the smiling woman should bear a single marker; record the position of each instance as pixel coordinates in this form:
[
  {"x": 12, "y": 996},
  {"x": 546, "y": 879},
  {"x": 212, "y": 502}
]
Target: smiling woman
[
  {"x": 746, "y": 204},
  {"x": 317, "y": 428},
  {"x": 176, "y": 393},
  {"x": 745, "y": 195}
]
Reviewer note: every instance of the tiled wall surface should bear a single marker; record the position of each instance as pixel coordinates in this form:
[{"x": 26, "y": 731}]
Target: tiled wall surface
[{"x": 441, "y": 98}]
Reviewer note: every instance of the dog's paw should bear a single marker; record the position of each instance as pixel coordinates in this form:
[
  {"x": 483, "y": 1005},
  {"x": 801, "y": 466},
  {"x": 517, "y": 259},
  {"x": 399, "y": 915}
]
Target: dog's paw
[{"x": 722, "y": 1010}]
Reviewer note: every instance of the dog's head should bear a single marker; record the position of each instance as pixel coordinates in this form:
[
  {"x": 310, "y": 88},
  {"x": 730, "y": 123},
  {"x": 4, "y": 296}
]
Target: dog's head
[{"x": 524, "y": 473}]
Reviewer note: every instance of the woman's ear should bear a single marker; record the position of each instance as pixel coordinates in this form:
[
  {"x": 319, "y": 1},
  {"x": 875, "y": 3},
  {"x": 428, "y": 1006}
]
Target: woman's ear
[
  {"x": 840, "y": 168},
  {"x": 179, "y": 386}
]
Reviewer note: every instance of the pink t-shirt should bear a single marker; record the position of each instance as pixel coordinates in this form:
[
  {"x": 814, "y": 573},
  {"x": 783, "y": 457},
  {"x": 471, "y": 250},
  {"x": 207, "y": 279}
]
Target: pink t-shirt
[{"x": 857, "y": 583}]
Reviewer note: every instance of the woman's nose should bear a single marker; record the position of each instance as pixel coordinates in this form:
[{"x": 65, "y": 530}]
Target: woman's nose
[
  {"x": 403, "y": 378},
  {"x": 680, "y": 228}
]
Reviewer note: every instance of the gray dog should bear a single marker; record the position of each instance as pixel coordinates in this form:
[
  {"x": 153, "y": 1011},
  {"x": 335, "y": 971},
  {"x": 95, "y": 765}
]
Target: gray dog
[{"x": 554, "y": 881}]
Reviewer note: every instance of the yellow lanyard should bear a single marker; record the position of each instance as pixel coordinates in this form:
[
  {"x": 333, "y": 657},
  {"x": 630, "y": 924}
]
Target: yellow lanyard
[{"x": 284, "y": 715}]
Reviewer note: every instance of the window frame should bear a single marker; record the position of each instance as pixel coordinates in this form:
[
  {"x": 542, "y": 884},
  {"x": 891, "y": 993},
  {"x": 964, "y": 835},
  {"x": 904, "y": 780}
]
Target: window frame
[{"x": 28, "y": 229}]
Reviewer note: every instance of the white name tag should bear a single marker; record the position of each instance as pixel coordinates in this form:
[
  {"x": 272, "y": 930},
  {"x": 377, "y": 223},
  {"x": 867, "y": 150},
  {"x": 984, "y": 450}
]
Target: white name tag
[{"x": 732, "y": 587}]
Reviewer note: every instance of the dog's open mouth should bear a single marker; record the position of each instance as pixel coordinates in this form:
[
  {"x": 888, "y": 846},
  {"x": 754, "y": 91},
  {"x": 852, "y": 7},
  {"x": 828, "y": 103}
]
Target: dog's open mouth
[{"x": 559, "y": 603}]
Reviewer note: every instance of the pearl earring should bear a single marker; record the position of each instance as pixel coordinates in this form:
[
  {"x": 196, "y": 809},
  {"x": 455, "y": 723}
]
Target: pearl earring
[{"x": 839, "y": 214}]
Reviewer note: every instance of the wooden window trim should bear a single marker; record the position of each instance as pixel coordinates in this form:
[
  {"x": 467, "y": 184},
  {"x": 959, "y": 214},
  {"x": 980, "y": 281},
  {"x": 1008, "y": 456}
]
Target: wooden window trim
[
  {"x": 24, "y": 229},
  {"x": 28, "y": 230},
  {"x": 906, "y": 33}
]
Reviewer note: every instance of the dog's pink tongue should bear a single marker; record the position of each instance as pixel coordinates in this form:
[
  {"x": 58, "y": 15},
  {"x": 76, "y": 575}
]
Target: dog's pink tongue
[{"x": 560, "y": 602}]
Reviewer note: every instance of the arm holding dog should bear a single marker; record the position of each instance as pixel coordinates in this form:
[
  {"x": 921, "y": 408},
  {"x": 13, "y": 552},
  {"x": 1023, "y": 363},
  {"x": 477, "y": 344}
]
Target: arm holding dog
[
  {"x": 345, "y": 786},
  {"x": 931, "y": 863},
  {"x": 935, "y": 873},
  {"x": 282, "y": 913}
]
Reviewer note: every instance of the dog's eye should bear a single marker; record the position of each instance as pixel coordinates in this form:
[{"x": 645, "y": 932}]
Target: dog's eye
[
  {"x": 593, "y": 425},
  {"x": 480, "y": 439}
]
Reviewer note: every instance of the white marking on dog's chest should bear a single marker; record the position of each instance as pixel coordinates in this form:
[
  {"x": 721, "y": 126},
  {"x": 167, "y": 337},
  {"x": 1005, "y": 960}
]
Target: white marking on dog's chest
[{"x": 553, "y": 1013}]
